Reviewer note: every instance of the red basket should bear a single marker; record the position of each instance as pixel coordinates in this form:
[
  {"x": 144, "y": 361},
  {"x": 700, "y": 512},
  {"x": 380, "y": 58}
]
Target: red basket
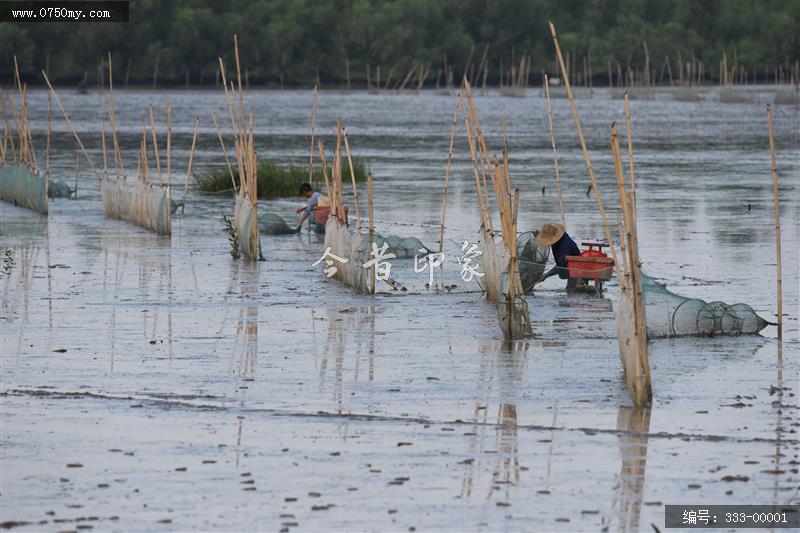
[
  {"x": 591, "y": 264},
  {"x": 322, "y": 214}
]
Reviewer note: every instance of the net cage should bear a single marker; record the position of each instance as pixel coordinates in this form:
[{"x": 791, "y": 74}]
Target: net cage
[
  {"x": 512, "y": 310},
  {"x": 670, "y": 314},
  {"x": 532, "y": 259},
  {"x": 401, "y": 247},
  {"x": 272, "y": 224},
  {"x": 246, "y": 222},
  {"x": 136, "y": 202},
  {"x": 21, "y": 187},
  {"x": 353, "y": 251}
]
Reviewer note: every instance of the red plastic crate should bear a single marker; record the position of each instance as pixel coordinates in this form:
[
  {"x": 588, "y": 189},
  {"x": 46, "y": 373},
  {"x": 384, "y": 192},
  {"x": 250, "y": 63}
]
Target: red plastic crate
[{"x": 591, "y": 264}]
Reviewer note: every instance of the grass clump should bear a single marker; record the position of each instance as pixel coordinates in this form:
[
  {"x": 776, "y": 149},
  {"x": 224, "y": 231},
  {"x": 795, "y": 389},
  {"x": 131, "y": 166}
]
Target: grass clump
[{"x": 275, "y": 181}]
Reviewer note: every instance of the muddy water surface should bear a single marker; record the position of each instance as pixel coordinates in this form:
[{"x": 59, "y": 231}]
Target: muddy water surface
[{"x": 154, "y": 383}]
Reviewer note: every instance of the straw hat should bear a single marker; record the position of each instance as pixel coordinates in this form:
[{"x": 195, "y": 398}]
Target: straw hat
[{"x": 549, "y": 234}]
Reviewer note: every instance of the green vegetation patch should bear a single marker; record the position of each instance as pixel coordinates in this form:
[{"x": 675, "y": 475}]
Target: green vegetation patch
[{"x": 275, "y": 181}]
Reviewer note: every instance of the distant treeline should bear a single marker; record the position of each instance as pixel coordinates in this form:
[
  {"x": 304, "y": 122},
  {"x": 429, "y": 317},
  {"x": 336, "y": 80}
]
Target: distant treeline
[{"x": 297, "y": 42}]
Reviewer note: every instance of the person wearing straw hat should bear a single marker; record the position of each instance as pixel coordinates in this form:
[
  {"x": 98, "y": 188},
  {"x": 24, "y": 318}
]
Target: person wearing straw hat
[{"x": 562, "y": 245}]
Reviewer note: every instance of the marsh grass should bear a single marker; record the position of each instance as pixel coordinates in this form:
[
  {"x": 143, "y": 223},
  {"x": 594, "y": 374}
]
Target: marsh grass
[{"x": 274, "y": 181}]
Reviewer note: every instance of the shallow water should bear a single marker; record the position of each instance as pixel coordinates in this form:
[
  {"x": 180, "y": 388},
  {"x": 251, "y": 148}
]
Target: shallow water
[{"x": 175, "y": 376}]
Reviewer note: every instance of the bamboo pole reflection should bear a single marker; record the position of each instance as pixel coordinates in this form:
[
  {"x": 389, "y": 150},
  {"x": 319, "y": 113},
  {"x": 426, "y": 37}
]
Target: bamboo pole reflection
[
  {"x": 350, "y": 331},
  {"x": 499, "y": 376},
  {"x": 247, "y": 325},
  {"x": 634, "y": 426}
]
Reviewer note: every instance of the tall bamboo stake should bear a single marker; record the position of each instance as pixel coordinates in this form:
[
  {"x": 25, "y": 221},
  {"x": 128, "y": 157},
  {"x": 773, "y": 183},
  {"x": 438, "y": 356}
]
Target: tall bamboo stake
[
  {"x": 774, "y": 171},
  {"x": 311, "y": 149},
  {"x": 74, "y": 133},
  {"x": 324, "y": 165},
  {"x": 113, "y": 119},
  {"x": 623, "y": 253},
  {"x": 353, "y": 178},
  {"x": 191, "y": 158},
  {"x": 447, "y": 171},
  {"x": 473, "y": 153},
  {"x": 371, "y": 229},
  {"x": 6, "y": 134},
  {"x": 49, "y": 129},
  {"x": 169, "y": 143},
  {"x": 105, "y": 155},
  {"x": 630, "y": 150},
  {"x": 155, "y": 143},
  {"x": 643, "y": 391},
  {"x": 224, "y": 151},
  {"x": 586, "y": 159},
  {"x": 555, "y": 154}
]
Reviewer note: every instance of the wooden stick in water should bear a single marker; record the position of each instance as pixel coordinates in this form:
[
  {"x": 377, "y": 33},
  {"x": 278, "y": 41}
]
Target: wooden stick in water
[
  {"x": 371, "y": 229},
  {"x": 155, "y": 142},
  {"x": 6, "y": 134},
  {"x": 69, "y": 123},
  {"x": 169, "y": 143},
  {"x": 630, "y": 151},
  {"x": 625, "y": 267},
  {"x": 555, "y": 154},
  {"x": 191, "y": 158},
  {"x": 774, "y": 171},
  {"x": 224, "y": 151},
  {"x": 353, "y": 178},
  {"x": 113, "y": 120},
  {"x": 145, "y": 174},
  {"x": 586, "y": 159},
  {"x": 473, "y": 154},
  {"x": 447, "y": 172},
  {"x": 311, "y": 150},
  {"x": 49, "y": 129},
  {"x": 324, "y": 165},
  {"x": 105, "y": 155}
]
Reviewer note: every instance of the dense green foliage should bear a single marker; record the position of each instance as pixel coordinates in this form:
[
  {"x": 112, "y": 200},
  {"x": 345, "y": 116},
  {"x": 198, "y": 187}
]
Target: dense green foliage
[
  {"x": 275, "y": 181},
  {"x": 291, "y": 41}
]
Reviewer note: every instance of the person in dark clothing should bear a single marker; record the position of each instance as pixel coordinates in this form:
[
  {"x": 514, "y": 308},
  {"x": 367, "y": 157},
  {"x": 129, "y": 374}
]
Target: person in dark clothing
[{"x": 562, "y": 245}]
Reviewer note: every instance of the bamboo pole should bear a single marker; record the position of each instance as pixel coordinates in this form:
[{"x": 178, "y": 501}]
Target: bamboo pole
[
  {"x": 555, "y": 154},
  {"x": 371, "y": 229},
  {"x": 169, "y": 143},
  {"x": 623, "y": 252},
  {"x": 324, "y": 165},
  {"x": 155, "y": 142},
  {"x": 311, "y": 148},
  {"x": 6, "y": 133},
  {"x": 74, "y": 133},
  {"x": 447, "y": 171},
  {"x": 473, "y": 155},
  {"x": 586, "y": 159},
  {"x": 630, "y": 152},
  {"x": 643, "y": 391},
  {"x": 113, "y": 119},
  {"x": 105, "y": 154},
  {"x": 49, "y": 133},
  {"x": 353, "y": 178},
  {"x": 191, "y": 158},
  {"x": 774, "y": 171},
  {"x": 224, "y": 151},
  {"x": 145, "y": 174}
]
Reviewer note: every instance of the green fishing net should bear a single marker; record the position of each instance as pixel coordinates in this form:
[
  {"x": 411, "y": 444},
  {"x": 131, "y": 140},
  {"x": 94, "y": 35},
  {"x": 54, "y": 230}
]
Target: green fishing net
[
  {"x": 669, "y": 314},
  {"x": 531, "y": 258}
]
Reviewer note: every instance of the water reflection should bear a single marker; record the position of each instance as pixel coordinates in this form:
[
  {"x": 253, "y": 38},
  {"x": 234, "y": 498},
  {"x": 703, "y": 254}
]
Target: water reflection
[
  {"x": 146, "y": 260},
  {"x": 246, "y": 344},
  {"x": 634, "y": 426},
  {"x": 351, "y": 331},
  {"x": 500, "y": 374}
]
